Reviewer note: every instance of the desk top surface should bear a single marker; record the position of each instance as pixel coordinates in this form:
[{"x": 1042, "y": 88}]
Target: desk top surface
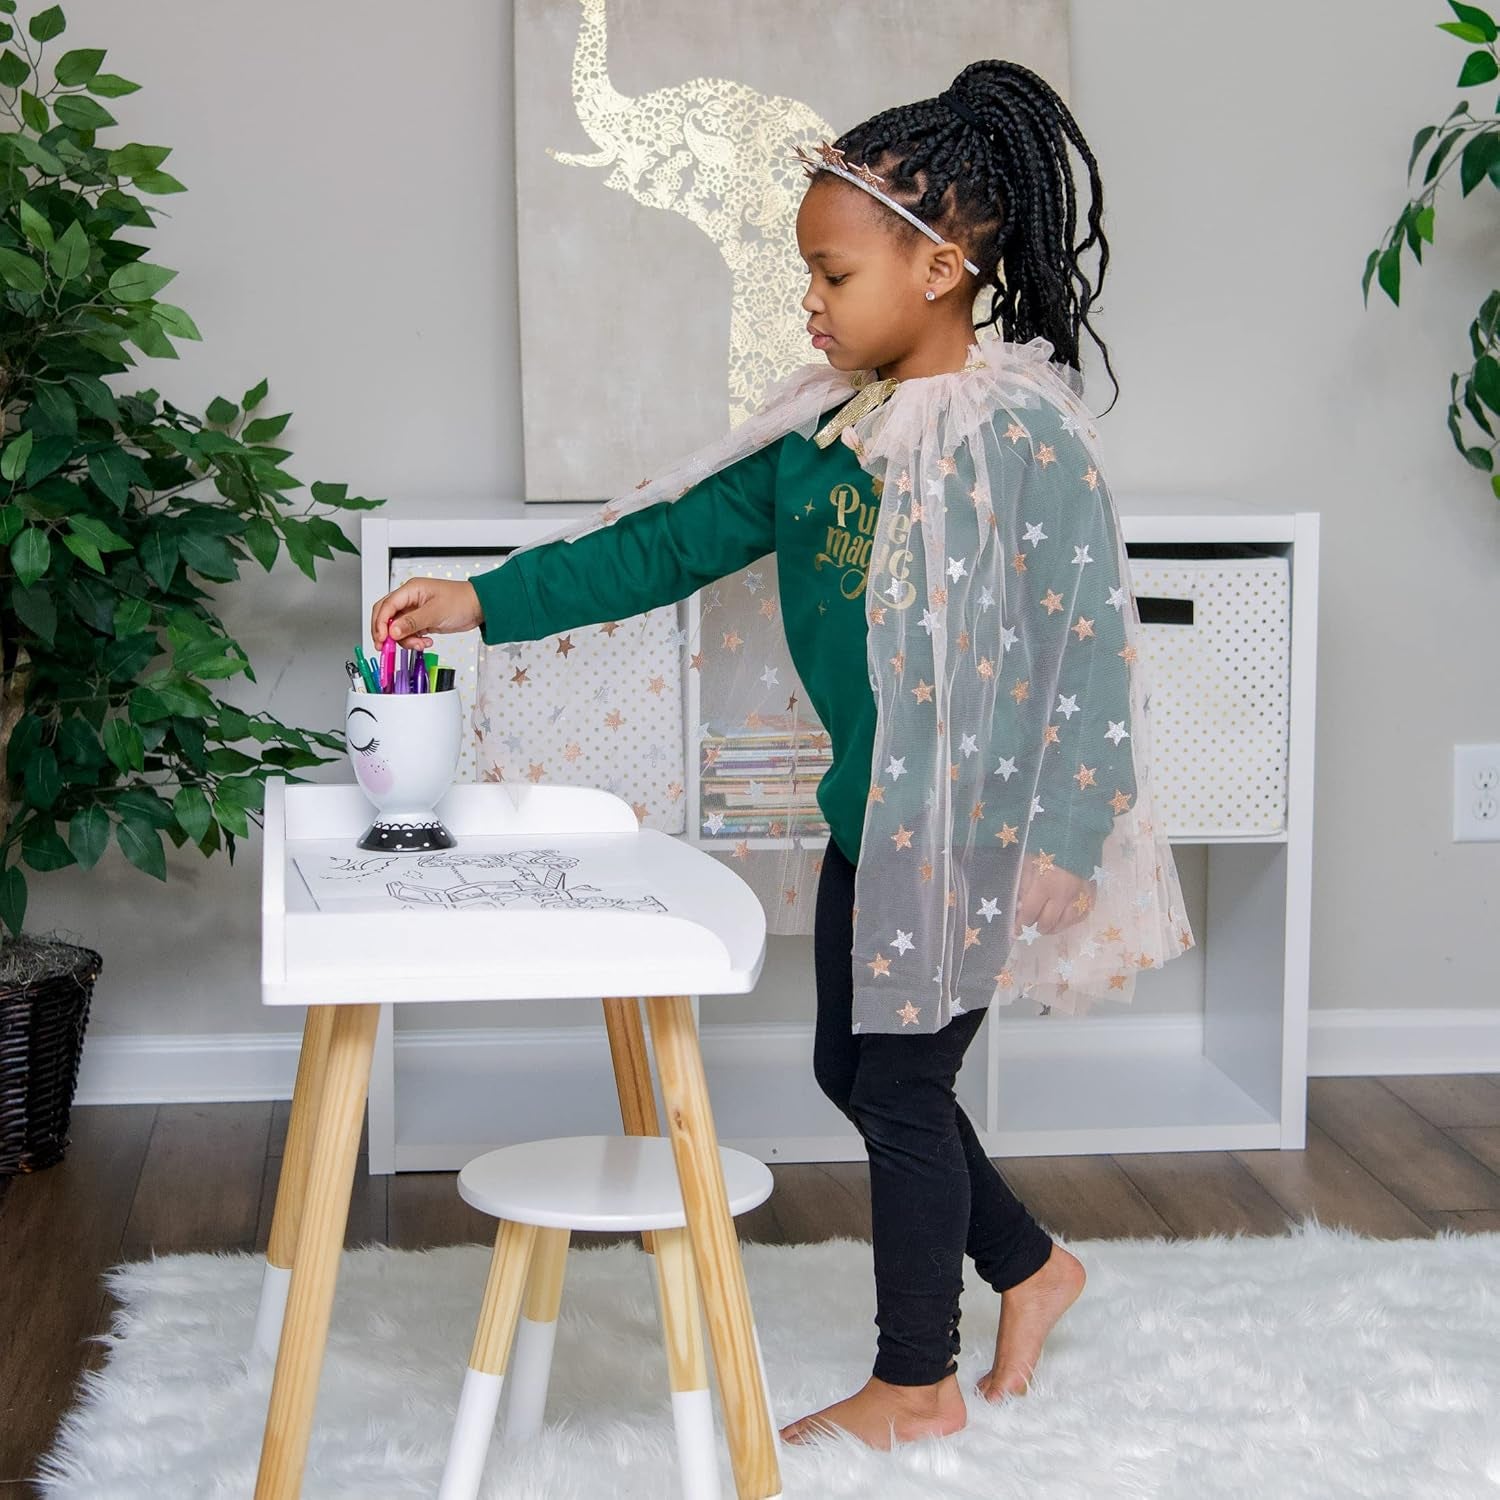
[{"x": 517, "y": 909}]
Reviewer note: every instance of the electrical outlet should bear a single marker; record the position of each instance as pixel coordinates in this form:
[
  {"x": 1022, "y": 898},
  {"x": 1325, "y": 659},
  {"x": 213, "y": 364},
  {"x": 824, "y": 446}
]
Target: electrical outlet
[{"x": 1476, "y": 793}]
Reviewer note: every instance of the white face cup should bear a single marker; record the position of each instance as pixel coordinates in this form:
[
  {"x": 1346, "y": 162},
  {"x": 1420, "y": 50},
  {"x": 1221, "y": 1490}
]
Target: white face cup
[{"x": 404, "y": 750}]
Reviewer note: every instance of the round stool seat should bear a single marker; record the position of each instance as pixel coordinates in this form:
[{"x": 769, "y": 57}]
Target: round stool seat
[{"x": 599, "y": 1182}]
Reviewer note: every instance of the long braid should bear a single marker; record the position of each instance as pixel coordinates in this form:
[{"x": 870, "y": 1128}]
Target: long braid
[{"x": 1004, "y": 192}]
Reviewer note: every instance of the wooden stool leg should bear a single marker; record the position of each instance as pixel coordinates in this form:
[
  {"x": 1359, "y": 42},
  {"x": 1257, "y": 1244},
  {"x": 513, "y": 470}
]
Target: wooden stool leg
[
  {"x": 483, "y": 1380},
  {"x": 531, "y": 1360},
  {"x": 291, "y": 1183},
  {"x": 687, "y": 1368},
  {"x": 627, "y": 1050},
  {"x": 721, "y": 1273},
  {"x": 320, "y": 1241}
]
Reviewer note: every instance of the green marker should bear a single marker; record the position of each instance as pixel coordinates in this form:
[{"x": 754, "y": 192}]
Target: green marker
[
  {"x": 431, "y": 658},
  {"x": 364, "y": 668}
]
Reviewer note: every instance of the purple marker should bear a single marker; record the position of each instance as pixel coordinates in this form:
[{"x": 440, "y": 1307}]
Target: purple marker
[
  {"x": 401, "y": 670},
  {"x": 421, "y": 674}
]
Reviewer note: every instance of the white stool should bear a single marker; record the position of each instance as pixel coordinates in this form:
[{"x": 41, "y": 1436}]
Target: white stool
[{"x": 541, "y": 1191}]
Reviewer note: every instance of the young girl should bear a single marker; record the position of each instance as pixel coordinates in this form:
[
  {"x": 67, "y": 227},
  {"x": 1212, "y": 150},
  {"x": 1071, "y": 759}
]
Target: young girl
[{"x": 975, "y": 620}]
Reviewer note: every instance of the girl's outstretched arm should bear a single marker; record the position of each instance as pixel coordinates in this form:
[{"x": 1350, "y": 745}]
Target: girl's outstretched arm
[{"x": 653, "y": 556}]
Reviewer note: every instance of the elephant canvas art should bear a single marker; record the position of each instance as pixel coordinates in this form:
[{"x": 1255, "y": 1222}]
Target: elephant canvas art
[{"x": 656, "y": 201}]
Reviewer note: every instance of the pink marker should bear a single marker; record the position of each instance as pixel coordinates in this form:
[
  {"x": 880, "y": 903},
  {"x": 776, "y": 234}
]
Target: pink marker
[{"x": 388, "y": 662}]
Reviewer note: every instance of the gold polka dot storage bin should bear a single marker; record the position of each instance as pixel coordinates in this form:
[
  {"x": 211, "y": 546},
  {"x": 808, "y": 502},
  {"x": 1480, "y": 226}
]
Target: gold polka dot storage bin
[
  {"x": 459, "y": 651},
  {"x": 578, "y": 710},
  {"x": 1218, "y": 676}
]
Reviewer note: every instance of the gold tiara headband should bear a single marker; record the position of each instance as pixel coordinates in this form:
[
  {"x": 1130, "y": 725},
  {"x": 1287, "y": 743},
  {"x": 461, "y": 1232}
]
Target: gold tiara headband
[{"x": 833, "y": 160}]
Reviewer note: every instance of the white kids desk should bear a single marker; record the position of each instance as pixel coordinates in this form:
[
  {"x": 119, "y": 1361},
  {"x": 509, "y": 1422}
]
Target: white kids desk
[{"x": 563, "y": 896}]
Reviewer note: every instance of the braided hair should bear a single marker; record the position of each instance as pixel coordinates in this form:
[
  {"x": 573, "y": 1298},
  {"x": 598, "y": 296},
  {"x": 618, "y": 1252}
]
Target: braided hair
[{"x": 986, "y": 162}]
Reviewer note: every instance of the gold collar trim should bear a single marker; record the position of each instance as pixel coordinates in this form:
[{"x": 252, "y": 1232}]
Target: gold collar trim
[{"x": 866, "y": 400}]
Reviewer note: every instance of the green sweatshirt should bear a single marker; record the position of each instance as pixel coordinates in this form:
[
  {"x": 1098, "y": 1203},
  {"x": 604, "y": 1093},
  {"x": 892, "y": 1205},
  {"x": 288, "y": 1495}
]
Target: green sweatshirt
[{"x": 811, "y": 506}]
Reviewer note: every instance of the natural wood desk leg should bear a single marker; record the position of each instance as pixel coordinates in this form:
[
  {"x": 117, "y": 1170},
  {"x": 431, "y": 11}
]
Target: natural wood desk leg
[
  {"x": 291, "y": 1184},
  {"x": 320, "y": 1241},
  {"x": 721, "y": 1273},
  {"x": 627, "y": 1049}
]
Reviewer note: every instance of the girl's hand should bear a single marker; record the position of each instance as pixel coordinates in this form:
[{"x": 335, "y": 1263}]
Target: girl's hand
[
  {"x": 1054, "y": 900},
  {"x": 422, "y": 607}
]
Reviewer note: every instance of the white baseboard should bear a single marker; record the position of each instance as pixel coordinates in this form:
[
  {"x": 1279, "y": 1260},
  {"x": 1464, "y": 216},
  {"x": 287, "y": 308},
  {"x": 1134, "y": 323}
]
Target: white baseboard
[{"x": 192, "y": 1069}]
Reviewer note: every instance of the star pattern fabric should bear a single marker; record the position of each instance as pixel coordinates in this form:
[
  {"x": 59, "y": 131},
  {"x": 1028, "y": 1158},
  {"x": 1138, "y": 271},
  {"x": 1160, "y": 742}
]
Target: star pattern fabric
[{"x": 1011, "y": 743}]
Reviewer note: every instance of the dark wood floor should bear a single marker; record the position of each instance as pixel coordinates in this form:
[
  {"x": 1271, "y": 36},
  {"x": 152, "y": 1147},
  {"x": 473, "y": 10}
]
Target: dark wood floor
[{"x": 1388, "y": 1157}]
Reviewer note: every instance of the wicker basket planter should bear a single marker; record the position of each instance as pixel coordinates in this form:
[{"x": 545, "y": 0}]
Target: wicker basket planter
[{"x": 45, "y": 990}]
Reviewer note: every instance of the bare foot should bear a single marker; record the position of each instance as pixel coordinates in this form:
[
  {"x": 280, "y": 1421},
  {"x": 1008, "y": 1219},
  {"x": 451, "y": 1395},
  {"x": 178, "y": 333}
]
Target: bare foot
[
  {"x": 881, "y": 1413},
  {"x": 1027, "y": 1312}
]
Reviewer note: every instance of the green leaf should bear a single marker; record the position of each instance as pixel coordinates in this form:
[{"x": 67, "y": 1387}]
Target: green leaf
[
  {"x": 158, "y": 554},
  {"x": 263, "y": 429},
  {"x": 128, "y": 160},
  {"x": 208, "y": 555},
  {"x": 194, "y": 815},
  {"x": 81, "y": 112},
  {"x": 11, "y": 521},
  {"x": 123, "y": 745},
  {"x": 13, "y": 899},
  {"x": 187, "y": 699},
  {"x": 88, "y": 835},
  {"x": 1463, "y": 32},
  {"x": 149, "y": 337},
  {"x": 34, "y": 112},
  {"x": 221, "y": 411},
  {"x": 263, "y": 541},
  {"x": 1425, "y": 220},
  {"x": 36, "y": 610},
  {"x": 14, "y": 69},
  {"x": 254, "y": 396},
  {"x": 176, "y": 322},
  {"x": 46, "y": 24},
  {"x": 57, "y": 411},
  {"x": 231, "y": 816},
  {"x": 35, "y": 227},
  {"x": 159, "y": 182},
  {"x": 99, "y": 534},
  {"x": 30, "y": 555},
  {"x": 21, "y": 271},
  {"x": 125, "y": 659},
  {"x": 49, "y": 454},
  {"x": 139, "y": 281},
  {"x": 85, "y": 551},
  {"x": 1478, "y": 156},
  {"x": 131, "y": 616},
  {"x": 110, "y": 470},
  {"x": 13, "y": 460},
  {"x": 43, "y": 782},
  {"x": 71, "y": 257},
  {"x": 36, "y": 153},
  {"x": 1435, "y": 161},
  {"x": 41, "y": 847},
  {"x": 96, "y": 397},
  {"x": 1473, "y": 16},
  {"x": 1487, "y": 381},
  {"x": 141, "y": 844},
  {"x": 111, "y": 86},
  {"x": 75, "y": 68},
  {"x": 1479, "y": 67}
]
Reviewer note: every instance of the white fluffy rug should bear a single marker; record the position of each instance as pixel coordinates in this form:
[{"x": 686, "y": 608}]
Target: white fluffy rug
[{"x": 1302, "y": 1367}]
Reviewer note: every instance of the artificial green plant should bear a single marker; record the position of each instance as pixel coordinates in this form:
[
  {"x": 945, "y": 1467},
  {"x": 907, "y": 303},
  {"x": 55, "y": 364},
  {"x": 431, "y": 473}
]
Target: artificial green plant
[
  {"x": 1474, "y": 144},
  {"x": 117, "y": 511}
]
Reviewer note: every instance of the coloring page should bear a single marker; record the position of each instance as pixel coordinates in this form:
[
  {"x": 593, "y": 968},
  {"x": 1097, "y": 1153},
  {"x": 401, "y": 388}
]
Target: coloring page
[{"x": 468, "y": 877}]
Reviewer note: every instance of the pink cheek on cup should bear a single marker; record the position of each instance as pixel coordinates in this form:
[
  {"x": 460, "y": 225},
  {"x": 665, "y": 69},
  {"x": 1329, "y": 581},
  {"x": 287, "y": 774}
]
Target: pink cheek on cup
[{"x": 376, "y": 774}]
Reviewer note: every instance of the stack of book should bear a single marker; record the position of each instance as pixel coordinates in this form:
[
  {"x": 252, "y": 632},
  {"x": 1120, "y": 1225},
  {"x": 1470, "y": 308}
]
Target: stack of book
[{"x": 762, "y": 782}]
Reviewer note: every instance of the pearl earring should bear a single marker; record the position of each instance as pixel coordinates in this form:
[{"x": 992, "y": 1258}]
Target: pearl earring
[{"x": 931, "y": 295}]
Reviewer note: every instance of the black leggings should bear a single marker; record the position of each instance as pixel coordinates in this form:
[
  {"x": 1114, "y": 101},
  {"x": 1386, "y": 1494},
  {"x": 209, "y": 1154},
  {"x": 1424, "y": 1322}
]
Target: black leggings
[{"x": 934, "y": 1194}]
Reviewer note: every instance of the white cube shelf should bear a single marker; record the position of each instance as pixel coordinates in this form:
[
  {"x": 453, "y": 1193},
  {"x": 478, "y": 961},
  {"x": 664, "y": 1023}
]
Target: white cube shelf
[{"x": 1231, "y": 1074}]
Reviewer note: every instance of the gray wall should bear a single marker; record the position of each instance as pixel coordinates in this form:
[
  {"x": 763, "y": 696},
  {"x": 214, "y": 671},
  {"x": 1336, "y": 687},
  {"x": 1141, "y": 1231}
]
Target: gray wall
[{"x": 349, "y": 233}]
